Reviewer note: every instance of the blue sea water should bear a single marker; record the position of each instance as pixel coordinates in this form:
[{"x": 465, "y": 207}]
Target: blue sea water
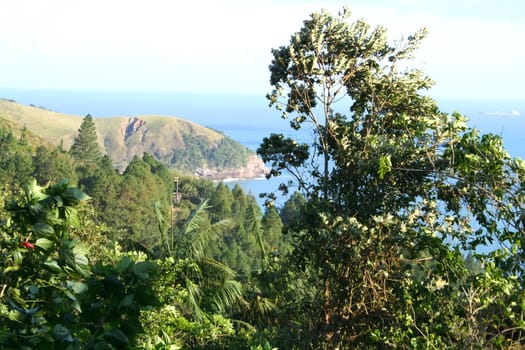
[{"x": 247, "y": 118}]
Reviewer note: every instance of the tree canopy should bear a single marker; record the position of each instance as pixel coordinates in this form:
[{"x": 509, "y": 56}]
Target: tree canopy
[{"x": 396, "y": 192}]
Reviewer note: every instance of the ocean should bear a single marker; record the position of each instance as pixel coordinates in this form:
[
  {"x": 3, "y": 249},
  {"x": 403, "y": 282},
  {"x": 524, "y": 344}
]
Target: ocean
[{"x": 248, "y": 118}]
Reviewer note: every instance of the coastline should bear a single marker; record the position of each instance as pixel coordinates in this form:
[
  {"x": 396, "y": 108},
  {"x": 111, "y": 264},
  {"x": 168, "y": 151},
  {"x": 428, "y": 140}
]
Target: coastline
[
  {"x": 254, "y": 169},
  {"x": 236, "y": 179}
]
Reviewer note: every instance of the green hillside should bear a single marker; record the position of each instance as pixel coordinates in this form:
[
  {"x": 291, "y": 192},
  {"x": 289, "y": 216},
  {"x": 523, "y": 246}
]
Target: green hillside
[{"x": 179, "y": 143}]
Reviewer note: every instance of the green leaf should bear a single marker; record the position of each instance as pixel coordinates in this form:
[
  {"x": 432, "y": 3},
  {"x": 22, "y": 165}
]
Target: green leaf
[
  {"x": 18, "y": 257},
  {"x": 81, "y": 260},
  {"x": 128, "y": 300},
  {"x": 52, "y": 264},
  {"x": 62, "y": 334},
  {"x": 71, "y": 216},
  {"x": 58, "y": 201},
  {"x": 44, "y": 243},
  {"x": 43, "y": 229},
  {"x": 123, "y": 264},
  {"x": 74, "y": 195},
  {"x": 81, "y": 249},
  {"x": 385, "y": 166},
  {"x": 77, "y": 287},
  {"x": 116, "y": 338},
  {"x": 75, "y": 304},
  {"x": 144, "y": 269}
]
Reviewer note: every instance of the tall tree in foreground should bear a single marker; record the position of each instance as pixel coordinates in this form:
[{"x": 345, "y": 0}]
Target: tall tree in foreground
[{"x": 395, "y": 190}]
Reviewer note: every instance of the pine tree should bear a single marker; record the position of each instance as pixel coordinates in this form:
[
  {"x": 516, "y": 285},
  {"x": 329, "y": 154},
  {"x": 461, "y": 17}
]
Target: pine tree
[
  {"x": 273, "y": 231},
  {"x": 85, "y": 147},
  {"x": 221, "y": 203}
]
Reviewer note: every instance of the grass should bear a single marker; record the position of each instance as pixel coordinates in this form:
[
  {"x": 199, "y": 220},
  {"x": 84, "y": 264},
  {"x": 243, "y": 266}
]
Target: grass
[
  {"x": 159, "y": 136},
  {"x": 53, "y": 127}
]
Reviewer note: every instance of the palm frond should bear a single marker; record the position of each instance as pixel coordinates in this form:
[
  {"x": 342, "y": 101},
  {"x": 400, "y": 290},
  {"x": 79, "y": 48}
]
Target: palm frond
[
  {"x": 189, "y": 241},
  {"x": 218, "y": 268},
  {"x": 193, "y": 300},
  {"x": 161, "y": 224},
  {"x": 262, "y": 305},
  {"x": 228, "y": 295},
  {"x": 197, "y": 218},
  {"x": 206, "y": 236},
  {"x": 208, "y": 281},
  {"x": 254, "y": 226},
  {"x": 198, "y": 233}
]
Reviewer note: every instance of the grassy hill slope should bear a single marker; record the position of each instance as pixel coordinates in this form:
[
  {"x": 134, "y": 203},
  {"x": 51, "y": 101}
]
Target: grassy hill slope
[
  {"x": 51, "y": 126},
  {"x": 179, "y": 143}
]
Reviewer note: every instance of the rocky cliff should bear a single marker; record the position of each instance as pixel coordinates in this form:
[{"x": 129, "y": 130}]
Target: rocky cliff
[{"x": 254, "y": 169}]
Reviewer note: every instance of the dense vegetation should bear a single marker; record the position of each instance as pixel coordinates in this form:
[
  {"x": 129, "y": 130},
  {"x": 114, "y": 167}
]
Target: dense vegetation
[
  {"x": 198, "y": 153},
  {"x": 407, "y": 231},
  {"x": 77, "y": 275}
]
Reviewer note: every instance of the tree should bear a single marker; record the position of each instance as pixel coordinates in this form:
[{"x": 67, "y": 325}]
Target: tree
[
  {"x": 291, "y": 211},
  {"x": 53, "y": 166},
  {"x": 221, "y": 203},
  {"x": 104, "y": 187},
  {"x": 16, "y": 164},
  {"x": 390, "y": 183},
  {"x": 272, "y": 227},
  {"x": 138, "y": 191},
  {"x": 85, "y": 148}
]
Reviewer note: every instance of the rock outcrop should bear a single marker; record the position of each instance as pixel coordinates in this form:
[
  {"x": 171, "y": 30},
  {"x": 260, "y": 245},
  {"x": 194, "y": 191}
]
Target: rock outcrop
[
  {"x": 254, "y": 169},
  {"x": 130, "y": 126}
]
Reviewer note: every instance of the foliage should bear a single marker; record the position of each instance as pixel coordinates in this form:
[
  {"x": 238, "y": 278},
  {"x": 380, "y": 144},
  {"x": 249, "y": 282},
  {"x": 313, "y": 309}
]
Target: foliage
[
  {"x": 174, "y": 324},
  {"x": 113, "y": 298},
  {"x": 201, "y": 153},
  {"x": 51, "y": 295},
  {"x": 15, "y": 159},
  {"x": 229, "y": 154},
  {"x": 53, "y": 165},
  {"x": 369, "y": 254},
  {"x": 291, "y": 211},
  {"x": 394, "y": 190},
  {"x": 125, "y": 203},
  {"x": 210, "y": 285},
  {"x": 85, "y": 147}
]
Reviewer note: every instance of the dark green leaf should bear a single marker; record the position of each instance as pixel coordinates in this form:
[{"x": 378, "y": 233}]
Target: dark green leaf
[
  {"x": 144, "y": 269},
  {"x": 43, "y": 229},
  {"x": 62, "y": 334},
  {"x": 116, "y": 338}
]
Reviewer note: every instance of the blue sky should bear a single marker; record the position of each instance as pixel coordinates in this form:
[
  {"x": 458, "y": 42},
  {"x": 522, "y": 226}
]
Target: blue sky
[{"x": 475, "y": 48}]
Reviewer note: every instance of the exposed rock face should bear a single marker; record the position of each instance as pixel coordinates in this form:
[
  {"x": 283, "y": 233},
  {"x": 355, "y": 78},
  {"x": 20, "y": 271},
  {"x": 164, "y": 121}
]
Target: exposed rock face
[
  {"x": 254, "y": 169},
  {"x": 133, "y": 124},
  {"x": 131, "y": 130}
]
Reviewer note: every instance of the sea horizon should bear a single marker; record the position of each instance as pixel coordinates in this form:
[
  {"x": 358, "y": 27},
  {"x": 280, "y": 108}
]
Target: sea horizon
[{"x": 247, "y": 118}]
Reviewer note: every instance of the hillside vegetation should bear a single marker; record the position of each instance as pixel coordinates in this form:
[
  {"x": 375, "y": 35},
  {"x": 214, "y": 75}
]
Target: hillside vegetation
[
  {"x": 181, "y": 144},
  {"x": 85, "y": 240}
]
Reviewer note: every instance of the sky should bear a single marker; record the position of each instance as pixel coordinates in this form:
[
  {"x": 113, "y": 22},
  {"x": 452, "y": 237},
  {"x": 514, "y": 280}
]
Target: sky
[{"x": 474, "y": 50}]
